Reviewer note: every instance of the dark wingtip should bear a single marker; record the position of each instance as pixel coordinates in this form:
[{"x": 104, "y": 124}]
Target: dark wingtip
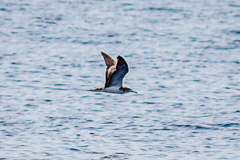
[
  {"x": 121, "y": 58},
  {"x": 121, "y": 61}
]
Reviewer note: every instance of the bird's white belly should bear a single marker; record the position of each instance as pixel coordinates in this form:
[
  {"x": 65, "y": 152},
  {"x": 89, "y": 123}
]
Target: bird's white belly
[{"x": 113, "y": 90}]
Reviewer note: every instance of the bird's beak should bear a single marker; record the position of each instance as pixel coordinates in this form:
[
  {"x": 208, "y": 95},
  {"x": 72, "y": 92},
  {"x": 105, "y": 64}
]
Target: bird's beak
[{"x": 135, "y": 91}]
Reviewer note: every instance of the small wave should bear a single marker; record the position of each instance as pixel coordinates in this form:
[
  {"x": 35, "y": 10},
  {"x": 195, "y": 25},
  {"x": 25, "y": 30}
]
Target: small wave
[
  {"x": 74, "y": 149},
  {"x": 164, "y": 9},
  {"x": 5, "y": 10},
  {"x": 196, "y": 127},
  {"x": 235, "y": 31},
  {"x": 227, "y": 124},
  {"x": 234, "y": 5}
]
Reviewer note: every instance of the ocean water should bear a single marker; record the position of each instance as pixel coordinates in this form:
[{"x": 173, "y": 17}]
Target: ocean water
[{"x": 184, "y": 61}]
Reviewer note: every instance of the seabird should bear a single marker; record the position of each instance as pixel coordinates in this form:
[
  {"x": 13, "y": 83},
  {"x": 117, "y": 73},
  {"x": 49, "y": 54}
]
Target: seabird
[{"x": 115, "y": 73}]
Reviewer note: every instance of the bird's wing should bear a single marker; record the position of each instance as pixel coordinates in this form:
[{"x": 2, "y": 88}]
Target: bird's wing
[
  {"x": 111, "y": 67},
  {"x": 119, "y": 73},
  {"x": 108, "y": 60}
]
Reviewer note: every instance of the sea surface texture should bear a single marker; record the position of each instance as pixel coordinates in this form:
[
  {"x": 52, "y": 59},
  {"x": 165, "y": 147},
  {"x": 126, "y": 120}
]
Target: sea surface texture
[{"x": 184, "y": 62}]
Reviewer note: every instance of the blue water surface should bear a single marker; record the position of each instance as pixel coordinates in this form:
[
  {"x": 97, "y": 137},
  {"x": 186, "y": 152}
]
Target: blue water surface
[{"x": 183, "y": 59}]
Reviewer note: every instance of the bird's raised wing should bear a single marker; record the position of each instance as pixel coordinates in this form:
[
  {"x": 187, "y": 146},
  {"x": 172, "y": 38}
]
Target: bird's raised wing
[
  {"x": 119, "y": 73},
  {"x": 108, "y": 60},
  {"x": 111, "y": 67}
]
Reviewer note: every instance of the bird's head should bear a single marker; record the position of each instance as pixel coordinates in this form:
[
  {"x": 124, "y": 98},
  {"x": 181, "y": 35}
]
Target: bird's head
[{"x": 127, "y": 89}]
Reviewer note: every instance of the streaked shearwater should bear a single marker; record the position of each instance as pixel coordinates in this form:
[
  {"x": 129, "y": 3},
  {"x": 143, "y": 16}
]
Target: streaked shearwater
[{"x": 115, "y": 73}]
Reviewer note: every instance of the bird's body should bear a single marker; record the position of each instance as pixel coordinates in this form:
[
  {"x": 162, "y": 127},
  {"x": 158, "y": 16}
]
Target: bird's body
[
  {"x": 121, "y": 90},
  {"x": 115, "y": 73}
]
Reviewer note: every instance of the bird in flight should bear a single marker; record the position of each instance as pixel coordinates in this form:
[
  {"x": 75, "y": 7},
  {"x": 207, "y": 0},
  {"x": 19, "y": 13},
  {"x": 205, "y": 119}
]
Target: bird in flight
[{"x": 115, "y": 73}]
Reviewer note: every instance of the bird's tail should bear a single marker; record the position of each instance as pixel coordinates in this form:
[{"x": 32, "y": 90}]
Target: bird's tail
[{"x": 96, "y": 89}]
